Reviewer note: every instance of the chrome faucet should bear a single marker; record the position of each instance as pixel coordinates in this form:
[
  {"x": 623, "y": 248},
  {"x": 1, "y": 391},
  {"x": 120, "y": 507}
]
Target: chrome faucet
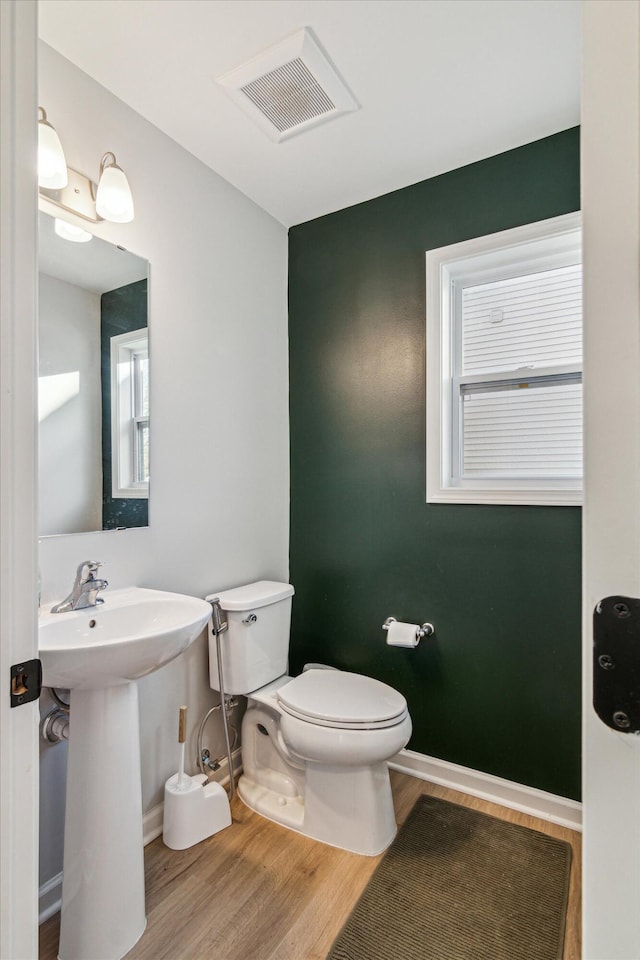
[{"x": 85, "y": 589}]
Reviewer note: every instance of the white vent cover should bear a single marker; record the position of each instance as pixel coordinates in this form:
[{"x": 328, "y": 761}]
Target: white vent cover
[{"x": 289, "y": 88}]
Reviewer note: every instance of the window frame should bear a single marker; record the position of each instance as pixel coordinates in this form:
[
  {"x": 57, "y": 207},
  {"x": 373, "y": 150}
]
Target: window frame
[
  {"x": 126, "y": 418},
  {"x": 542, "y": 245}
]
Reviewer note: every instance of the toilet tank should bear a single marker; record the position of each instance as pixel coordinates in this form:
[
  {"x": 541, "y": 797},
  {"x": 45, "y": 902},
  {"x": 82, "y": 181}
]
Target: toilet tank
[{"x": 255, "y": 647}]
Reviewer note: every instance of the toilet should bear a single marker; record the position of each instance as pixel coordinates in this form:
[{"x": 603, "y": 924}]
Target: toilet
[{"x": 314, "y": 747}]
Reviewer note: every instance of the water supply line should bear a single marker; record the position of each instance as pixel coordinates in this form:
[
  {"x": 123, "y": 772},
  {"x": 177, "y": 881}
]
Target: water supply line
[
  {"x": 218, "y": 627},
  {"x": 204, "y": 761}
]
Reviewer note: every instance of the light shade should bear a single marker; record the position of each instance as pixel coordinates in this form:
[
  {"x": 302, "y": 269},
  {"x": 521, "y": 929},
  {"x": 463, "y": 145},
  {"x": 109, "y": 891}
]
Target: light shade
[
  {"x": 52, "y": 165},
  {"x": 113, "y": 199},
  {"x": 68, "y": 231}
]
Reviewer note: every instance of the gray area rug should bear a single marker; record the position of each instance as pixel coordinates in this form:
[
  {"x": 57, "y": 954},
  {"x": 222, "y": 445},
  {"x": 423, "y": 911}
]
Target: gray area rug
[{"x": 460, "y": 885}]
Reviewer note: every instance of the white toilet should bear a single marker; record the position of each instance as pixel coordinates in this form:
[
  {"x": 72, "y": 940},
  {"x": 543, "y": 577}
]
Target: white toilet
[{"x": 314, "y": 748}]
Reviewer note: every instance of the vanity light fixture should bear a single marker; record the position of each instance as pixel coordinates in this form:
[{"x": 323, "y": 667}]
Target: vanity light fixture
[
  {"x": 69, "y": 231},
  {"x": 52, "y": 165},
  {"x": 59, "y": 184},
  {"x": 113, "y": 199}
]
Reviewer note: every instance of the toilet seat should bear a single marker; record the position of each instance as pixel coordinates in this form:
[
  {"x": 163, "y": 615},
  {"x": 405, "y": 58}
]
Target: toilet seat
[{"x": 332, "y": 698}]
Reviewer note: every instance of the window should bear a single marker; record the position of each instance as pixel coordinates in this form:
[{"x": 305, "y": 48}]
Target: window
[
  {"x": 504, "y": 367},
  {"x": 130, "y": 414}
]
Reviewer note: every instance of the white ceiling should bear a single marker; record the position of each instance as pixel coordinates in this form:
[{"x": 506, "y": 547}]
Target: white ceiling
[
  {"x": 441, "y": 83},
  {"x": 96, "y": 266}
]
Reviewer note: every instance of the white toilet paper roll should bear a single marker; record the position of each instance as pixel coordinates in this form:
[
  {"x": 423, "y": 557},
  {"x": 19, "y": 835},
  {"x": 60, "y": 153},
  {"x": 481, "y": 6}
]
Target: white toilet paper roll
[{"x": 402, "y": 634}]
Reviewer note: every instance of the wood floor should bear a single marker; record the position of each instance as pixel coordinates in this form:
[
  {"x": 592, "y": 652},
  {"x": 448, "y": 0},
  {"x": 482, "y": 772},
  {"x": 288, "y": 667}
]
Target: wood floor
[{"x": 259, "y": 892}]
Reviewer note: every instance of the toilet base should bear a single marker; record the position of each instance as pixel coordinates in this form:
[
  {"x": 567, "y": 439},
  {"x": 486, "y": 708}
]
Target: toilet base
[
  {"x": 285, "y": 810},
  {"x": 351, "y": 809}
]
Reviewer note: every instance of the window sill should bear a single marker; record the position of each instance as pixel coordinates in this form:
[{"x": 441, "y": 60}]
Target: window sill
[
  {"x": 524, "y": 497},
  {"x": 130, "y": 493}
]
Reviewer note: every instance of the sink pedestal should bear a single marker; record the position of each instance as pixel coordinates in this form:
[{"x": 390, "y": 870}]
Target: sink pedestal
[
  {"x": 103, "y": 909},
  {"x": 98, "y": 653}
]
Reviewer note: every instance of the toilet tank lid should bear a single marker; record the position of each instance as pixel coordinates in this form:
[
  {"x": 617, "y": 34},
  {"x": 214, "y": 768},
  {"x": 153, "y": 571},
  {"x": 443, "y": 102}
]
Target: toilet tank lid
[{"x": 253, "y": 595}]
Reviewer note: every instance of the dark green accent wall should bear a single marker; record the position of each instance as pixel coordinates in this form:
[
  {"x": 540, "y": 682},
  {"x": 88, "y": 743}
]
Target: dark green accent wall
[
  {"x": 498, "y": 689},
  {"x": 121, "y": 311}
]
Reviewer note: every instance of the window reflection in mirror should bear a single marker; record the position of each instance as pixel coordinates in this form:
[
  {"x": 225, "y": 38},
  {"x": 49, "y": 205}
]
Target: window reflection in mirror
[
  {"x": 93, "y": 409},
  {"x": 130, "y": 414}
]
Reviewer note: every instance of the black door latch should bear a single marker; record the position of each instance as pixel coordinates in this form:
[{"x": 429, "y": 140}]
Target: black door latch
[
  {"x": 26, "y": 682},
  {"x": 616, "y": 663}
]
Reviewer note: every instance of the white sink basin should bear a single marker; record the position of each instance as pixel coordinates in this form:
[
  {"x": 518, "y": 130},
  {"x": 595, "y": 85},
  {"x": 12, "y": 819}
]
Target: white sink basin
[
  {"x": 133, "y": 633},
  {"x": 98, "y": 653}
]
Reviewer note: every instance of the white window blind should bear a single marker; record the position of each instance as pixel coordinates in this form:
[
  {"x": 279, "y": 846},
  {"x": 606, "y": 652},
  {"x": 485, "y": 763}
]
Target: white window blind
[
  {"x": 523, "y": 321},
  {"x": 504, "y": 367},
  {"x": 523, "y": 431},
  {"x": 524, "y": 328}
]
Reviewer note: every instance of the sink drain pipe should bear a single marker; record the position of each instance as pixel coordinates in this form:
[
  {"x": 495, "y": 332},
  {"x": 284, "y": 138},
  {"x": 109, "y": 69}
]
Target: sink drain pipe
[
  {"x": 55, "y": 696},
  {"x": 55, "y": 725}
]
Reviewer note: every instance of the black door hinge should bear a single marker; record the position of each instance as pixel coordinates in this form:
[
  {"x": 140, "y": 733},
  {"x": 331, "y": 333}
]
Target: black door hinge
[
  {"x": 616, "y": 663},
  {"x": 26, "y": 682}
]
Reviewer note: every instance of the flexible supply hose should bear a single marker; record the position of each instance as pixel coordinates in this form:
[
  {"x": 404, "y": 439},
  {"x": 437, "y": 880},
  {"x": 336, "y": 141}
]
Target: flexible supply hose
[
  {"x": 225, "y": 719},
  {"x": 219, "y": 626},
  {"x": 211, "y": 764}
]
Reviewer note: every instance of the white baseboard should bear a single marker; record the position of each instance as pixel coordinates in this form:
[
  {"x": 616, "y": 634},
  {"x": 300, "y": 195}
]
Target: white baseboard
[
  {"x": 152, "y": 823},
  {"x": 50, "y": 893},
  {"x": 49, "y": 898},
  {"x": 516, "y": 796}
]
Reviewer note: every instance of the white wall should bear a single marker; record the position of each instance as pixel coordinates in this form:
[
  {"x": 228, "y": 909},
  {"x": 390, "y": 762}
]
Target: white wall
[
  {"x": 219, "y": 508},
  {"x": 70, "y": 415}
]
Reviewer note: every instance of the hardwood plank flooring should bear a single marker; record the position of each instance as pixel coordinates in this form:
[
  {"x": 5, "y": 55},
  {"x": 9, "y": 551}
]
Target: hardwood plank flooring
[{"x": 257, "y": 891}]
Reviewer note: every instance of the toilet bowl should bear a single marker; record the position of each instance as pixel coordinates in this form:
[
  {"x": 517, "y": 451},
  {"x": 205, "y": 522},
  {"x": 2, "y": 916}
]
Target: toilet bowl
[{"x": 314, "y": 747}]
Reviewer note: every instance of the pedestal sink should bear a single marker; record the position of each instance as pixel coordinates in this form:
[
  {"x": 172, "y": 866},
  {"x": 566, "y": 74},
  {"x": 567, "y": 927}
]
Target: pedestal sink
[{"x": 98, "y": 653}]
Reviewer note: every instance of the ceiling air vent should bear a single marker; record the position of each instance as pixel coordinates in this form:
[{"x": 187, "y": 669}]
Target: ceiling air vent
[{"x": 289, "y": 88}]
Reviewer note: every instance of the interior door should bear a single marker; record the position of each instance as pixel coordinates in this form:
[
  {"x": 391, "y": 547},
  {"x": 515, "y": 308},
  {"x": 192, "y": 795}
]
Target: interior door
[
  {"x": 18, "y": 544},
  {"x": 611, "y": 551}
]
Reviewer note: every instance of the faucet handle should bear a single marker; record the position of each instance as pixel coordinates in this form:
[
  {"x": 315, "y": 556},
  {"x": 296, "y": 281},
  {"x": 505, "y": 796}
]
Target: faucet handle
[{"x": 92, "y": 568}]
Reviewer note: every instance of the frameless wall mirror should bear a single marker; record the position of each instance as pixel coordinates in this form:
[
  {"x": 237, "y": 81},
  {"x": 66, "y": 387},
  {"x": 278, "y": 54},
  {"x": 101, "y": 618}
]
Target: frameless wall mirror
[{"x": 93, "y": 383}]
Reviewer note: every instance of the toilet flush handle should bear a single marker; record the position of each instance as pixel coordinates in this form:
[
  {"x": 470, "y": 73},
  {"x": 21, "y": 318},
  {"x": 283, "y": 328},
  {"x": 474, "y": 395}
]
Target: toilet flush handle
[{"x": 251, "y": 618}]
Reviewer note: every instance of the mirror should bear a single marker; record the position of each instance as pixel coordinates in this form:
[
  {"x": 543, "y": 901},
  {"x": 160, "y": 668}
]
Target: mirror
[{"x": 93, "y": 384}]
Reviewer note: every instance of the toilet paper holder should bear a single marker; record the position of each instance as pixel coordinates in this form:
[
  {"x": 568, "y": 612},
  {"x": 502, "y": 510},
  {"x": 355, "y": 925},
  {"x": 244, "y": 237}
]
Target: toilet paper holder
[{"x": 426, "y": 630}]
